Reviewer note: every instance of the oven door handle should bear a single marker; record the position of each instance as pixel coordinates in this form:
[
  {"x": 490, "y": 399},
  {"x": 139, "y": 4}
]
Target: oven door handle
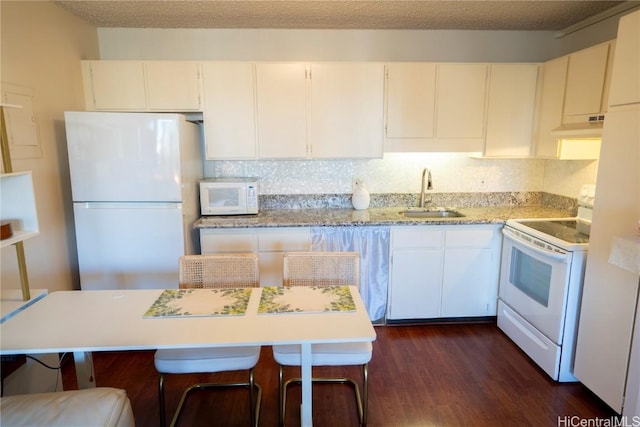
[{"x": 559, "y": 256}]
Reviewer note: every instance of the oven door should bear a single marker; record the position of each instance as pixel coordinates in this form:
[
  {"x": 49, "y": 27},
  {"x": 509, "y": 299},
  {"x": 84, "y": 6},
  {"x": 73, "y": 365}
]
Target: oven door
[{"x": 534, "y": 283}]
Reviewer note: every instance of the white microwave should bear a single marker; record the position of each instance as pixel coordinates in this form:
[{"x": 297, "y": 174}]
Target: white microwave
[{"x": 229, "y": 196}]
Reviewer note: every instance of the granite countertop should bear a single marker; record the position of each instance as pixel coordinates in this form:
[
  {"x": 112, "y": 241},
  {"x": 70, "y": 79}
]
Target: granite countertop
[{"x": 373, "y": 217}]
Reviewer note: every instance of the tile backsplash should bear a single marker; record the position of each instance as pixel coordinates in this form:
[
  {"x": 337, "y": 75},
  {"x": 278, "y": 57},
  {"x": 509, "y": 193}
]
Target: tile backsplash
[
  {"x": 452, "y": 200},
  {"x": 400, "y": 173}
]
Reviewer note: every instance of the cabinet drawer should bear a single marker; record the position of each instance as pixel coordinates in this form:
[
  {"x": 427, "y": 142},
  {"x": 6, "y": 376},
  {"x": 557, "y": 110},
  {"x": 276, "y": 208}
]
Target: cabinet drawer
[
  {"x": 227, "y": 241},
  {"x": 284, "y": 239},
  {"x": 470, "y": 238},
  {"x": 416, "y": 237}
]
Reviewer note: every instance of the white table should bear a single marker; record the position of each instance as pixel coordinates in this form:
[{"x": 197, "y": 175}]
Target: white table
[
  {"x": 85, "y": 321},
  {"x": 11, "y": 301}
]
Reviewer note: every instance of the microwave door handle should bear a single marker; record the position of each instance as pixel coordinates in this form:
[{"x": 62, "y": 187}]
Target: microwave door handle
[{"x": 550, "y": 254}]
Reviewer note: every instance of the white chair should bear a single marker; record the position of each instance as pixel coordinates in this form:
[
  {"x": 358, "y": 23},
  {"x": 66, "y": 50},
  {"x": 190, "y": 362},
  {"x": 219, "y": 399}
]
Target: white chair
[
  {"x": 213, "y": 271},
  {"x": 324, "y": 269}
]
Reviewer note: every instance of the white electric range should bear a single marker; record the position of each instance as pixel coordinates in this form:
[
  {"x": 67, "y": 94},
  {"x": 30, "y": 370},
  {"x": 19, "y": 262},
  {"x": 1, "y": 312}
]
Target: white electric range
[{"x": 542, "y": 271}]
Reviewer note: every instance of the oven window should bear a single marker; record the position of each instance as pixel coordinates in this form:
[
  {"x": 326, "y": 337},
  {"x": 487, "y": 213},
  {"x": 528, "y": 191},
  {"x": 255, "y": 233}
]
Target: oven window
[{"x": 531, "y": 276}]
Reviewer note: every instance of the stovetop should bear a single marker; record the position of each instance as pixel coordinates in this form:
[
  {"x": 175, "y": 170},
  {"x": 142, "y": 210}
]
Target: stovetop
[
  {"x": 562, "y": 229},
  {"x": 560, "y": 232}
]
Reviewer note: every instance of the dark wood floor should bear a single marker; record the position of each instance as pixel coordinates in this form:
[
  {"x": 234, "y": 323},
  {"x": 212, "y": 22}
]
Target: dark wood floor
[{"x": 424, "y": 375}]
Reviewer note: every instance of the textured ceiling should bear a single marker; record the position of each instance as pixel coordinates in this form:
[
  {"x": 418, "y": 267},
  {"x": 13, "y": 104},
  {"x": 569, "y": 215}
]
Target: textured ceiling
[{"x": 337, "y": 14}]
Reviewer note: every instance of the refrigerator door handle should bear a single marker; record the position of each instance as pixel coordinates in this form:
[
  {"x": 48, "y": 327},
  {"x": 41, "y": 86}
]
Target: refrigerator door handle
[{"x": 129, "y": 205}]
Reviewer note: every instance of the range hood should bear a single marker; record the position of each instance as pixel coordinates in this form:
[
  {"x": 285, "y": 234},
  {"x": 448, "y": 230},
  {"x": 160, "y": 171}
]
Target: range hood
[
  {"x": 579, "y": 141},
  {"x": 579, "y": 130}
]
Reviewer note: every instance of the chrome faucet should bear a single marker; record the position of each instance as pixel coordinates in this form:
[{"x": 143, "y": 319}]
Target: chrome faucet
[{"x": 426, "y": 178}]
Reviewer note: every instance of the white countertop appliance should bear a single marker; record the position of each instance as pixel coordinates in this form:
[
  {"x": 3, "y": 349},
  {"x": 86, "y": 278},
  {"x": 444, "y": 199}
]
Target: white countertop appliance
[
  {"x": 133, "y": 184},
  {"x": 542, "y": 270},
  {"x": 229, "y": 196}
]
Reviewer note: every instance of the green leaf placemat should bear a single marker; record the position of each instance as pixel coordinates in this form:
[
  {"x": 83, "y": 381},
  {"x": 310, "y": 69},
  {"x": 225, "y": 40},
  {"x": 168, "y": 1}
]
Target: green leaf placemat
[
  {"x": 306, "y": 299},
  {"x": 200, "y": 302}
]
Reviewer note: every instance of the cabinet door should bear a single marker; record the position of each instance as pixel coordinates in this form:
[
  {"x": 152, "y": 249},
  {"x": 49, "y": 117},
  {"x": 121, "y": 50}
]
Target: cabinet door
[
  {"x": 229, "y": 110},
  {"x": 554, "y": 75},
  {"x": 468, "y": 287},
  {"x": 625, "y": 78},
  {"x": 512, "y": 100},
  {"x": 410, "y": 100},
  {"x": 114, "y": 85},
  {"x": 272, "y": 244},
  {"x": 281, "y": 107},
  {"x": 470, "y": 273},
  {"x": 173, "y": 85},
  {"x": 346, "y": 110},
  {"x": 416, "y": 283},
  {"x": 586, "y": 83},
  {"x": 461, "y": 95},
  {"x": 415, "y": 274}
]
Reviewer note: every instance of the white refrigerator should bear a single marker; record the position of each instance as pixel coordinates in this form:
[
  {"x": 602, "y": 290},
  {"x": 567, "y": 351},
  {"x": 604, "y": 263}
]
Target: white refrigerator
[
  {"x": 610, "y": 293},
  {"x": 134, "y": 188}
]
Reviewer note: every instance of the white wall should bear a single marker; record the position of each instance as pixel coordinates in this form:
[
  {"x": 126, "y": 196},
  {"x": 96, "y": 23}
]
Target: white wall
[
  {"x": 324, "y": 45},
  {"x": 41, "y": 46},
  {"x": 346, "y": 45}
]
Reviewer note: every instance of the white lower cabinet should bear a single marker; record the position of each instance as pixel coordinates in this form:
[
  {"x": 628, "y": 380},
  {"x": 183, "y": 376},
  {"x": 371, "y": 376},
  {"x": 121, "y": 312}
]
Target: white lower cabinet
[
  {"x": 417, "y": 258},
  {"x": 228, "y": 240},
  {"x": 438, "y": 271},
  {"x": 443, "y": 271},
  {"x": 471, "y": 268},
  {"x": 272, "y": 244},
  {"x": 269, "y": 243}
]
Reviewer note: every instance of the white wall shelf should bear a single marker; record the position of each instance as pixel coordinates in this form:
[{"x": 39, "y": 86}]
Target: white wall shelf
[{"x": 18, "y": 206}]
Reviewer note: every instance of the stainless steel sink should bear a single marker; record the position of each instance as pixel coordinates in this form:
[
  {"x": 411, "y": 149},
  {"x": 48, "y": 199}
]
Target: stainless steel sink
[{"x": 432, "y": 212}]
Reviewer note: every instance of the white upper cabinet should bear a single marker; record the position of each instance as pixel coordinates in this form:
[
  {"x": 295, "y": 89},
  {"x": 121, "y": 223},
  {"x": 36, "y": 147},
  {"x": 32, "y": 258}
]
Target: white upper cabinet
[
  {"x": 435, "y": 107},
  {"x": 281, "y": 108},
  {"x": 461, "y": 96},
  {"x": 587, "y": 84},
  {"x": 573, "y": 98},
  {"x": 411, "y": 97},
  {"x": 275, "y": 111},
  {"x": 141, "y": 85},
  {"x": 510, "y": 113},
  {"x": 625, "y": 77},
  {"x": 346, "y": 116},
  {"x": 229, "y": 110},
  {"x": 549, "y": 116},
  {"x": 173, "y": 85},
  {"x": 114, "y": 85},
  {"x": 554, "y": 76}
]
